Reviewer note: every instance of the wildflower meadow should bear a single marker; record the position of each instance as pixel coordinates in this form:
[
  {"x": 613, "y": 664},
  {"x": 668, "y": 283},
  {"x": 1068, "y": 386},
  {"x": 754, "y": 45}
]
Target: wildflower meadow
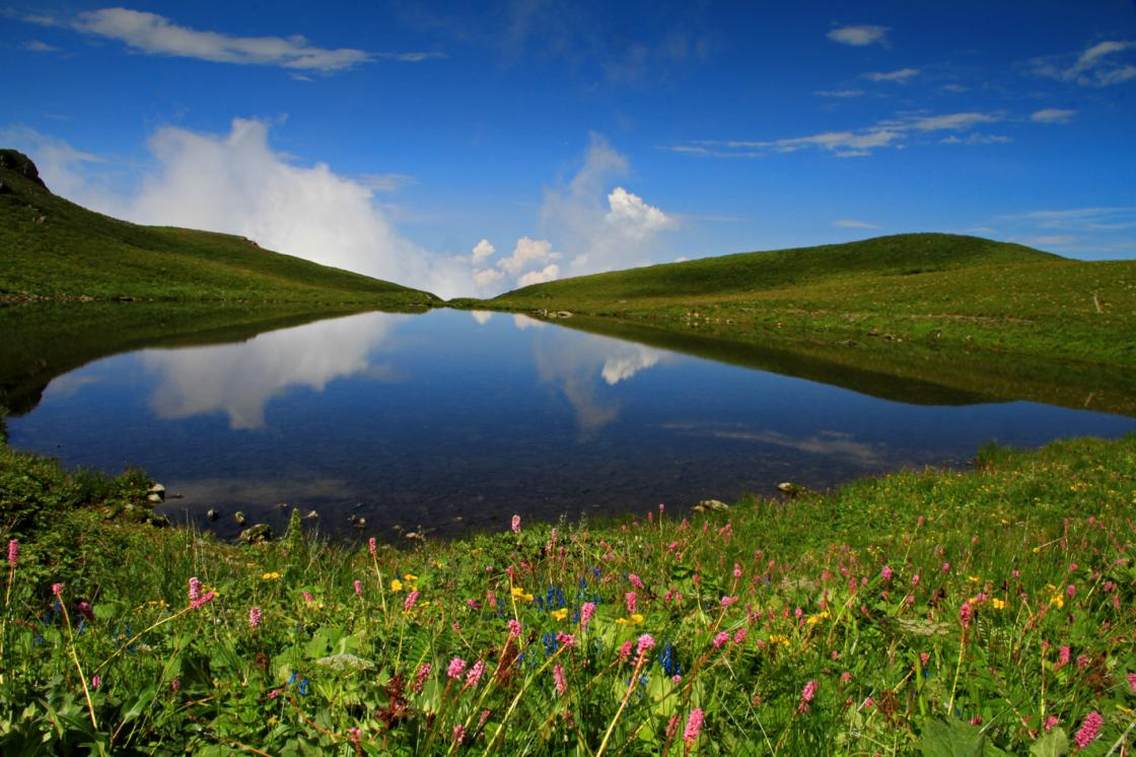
[{"x": 986, "y": 611}]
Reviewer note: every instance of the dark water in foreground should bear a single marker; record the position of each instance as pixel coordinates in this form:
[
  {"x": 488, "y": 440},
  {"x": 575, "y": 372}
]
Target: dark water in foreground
[{"x": 453, "y": 419}]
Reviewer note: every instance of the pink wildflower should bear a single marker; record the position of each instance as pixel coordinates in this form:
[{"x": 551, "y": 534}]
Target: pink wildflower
[
  {"x": 459, "y": 733},
  {"x": 96, "y": 682},
  {"x": 254, "y": 618},
  {"x": 194, "y": 589},
  {"x": 308, "y": 596},
  {"x": 456, "y": 668},
  {"x": 635, "y": 580},
  {"x": 1132, "y": 682},
  {"x": 727, "y": 601},
  {"x": 693, "y": 727},
  {"x": 474, "y": 674},
  {"x": 411, "y": 599},
  {"x": 559, "y": 679},
  {"x": 946, "y": 567},
  {"x": 631, "y": 598},
  {"x": 646, "y": 644},
  {"x": 175, "y": 685},
  {"x": 514, "y": 628},
  {"x": 740, "y": 635},
  {"x": 868, "y": 704},
  {"x": 421, "y": 676},
  {"x": 737, "y": 570},
  {"x": 354, "y": 735},
  {"x": 203, "y": 600},
  {"x": 1089, "y": 730},
  {"x": 672, "y": 727},
  {"x": 915, "y": 580},
  {"x": 358, "y": 587},
  {"x": 13, "y": 553},
  {"x": 845, "y": 677},
  {"x": 1050, "y": 722},
  {"x": 1063, "y": 657},
  {"x": 676, "y": 679},
  {"x": 625, "y": 650},
  {"x": 721, "y": 639},
  {"x": 57, "y": 589},
  {"x": 807, "y": 695},
  {"x": 924, "y": 658},
  {"x": 966, "y": 613},
  {"x": 1071, "y": 591},
  {"x": 566, "y": 639},
  {"x": 587, "y": 610},
  {"x": 886, "y": 573},
  {"x": 516, "y": 524},
  {"x": 373, "y": 547}
]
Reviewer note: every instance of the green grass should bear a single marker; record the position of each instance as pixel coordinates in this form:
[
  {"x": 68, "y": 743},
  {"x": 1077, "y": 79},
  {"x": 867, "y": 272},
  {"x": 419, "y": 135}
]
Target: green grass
[
  {"x": 986, "y": 611},
  {"x": 55, "y": 249},
  {"x": 906, "y": 293}
]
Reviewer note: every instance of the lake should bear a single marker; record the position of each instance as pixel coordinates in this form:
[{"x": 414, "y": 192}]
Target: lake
[{"x": 452, "y": 420}]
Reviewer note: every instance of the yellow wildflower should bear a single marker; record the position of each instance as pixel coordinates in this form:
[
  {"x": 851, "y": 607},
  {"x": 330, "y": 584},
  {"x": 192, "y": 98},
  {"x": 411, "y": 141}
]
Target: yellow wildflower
[
  {"x": 777, "y": 639},
  {"x": 1058, "y": 601},
  {"x": 518, "y": 592},
  {"x": 528, "y": 597},
  {"x": 973, "y": 579},
  {"x": 636, "y": 618},
  {"x": 560, "y": 614},
  {"x": 410, "y": 578},
  {"x": 272, "y": 576},
  {"x": 812, "y": 620},
  {"x": 999, "y": 604},
  {"x": 396, "y": 585}
]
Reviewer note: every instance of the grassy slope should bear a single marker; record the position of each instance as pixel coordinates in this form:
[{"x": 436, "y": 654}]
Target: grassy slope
[
  {"x": 52, "y": 248},
  {"x": 1037, "y": 545},
  {"x": 937, "y": 291}
]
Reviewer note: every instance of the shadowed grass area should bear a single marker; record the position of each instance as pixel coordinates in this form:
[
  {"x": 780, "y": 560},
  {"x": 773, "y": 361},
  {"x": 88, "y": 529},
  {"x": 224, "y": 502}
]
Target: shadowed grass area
[
  {"x": 55, "y": 249},
  {"x": 953, "y": 294},
  {"x": 986, "y": 610}
]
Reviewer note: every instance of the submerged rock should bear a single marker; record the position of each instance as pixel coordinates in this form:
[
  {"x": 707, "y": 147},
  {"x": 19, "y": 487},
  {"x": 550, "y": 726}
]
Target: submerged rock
[
  {"x": 312, "y": 515},
  {"x": 790, "y": 489},
  {"x": 213, "y": 514},
  {"x": 240, "y": 518}
]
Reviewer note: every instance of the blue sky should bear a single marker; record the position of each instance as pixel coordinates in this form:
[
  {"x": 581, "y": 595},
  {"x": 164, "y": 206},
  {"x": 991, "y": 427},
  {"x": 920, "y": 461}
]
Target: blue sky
[{"x": 582, "y": 137}]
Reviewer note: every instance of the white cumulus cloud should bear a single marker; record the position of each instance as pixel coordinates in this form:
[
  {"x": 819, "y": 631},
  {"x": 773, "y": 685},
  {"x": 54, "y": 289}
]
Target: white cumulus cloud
[
  {"x": 1101, "y": 65},
  {"x": 548, "y": 273},
  {"x": 859, "y": 35},
  {"x": 638, "y": 219},
  {"x": 901, "y": 76},
  {"x": 157, "y": 35},
  {"x": 1052, "y": 116},
  {"x": 482, "y": 250}
]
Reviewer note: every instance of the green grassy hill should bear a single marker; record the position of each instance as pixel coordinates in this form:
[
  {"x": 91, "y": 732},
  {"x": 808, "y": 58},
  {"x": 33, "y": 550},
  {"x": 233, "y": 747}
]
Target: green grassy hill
[
  {"x": 54, "y": 249},
  {"x": 936, "y": 293},
  {"x": 899, "y": 255}
]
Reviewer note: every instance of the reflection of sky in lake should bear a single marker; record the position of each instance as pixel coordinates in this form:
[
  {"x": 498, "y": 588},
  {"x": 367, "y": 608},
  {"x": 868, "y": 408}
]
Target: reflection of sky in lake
[{"x": 450, "y": 419}]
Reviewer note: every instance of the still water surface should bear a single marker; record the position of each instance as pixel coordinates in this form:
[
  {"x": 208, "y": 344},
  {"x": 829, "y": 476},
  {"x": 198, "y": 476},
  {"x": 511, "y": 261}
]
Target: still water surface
[{"x": 452, "y": 420}]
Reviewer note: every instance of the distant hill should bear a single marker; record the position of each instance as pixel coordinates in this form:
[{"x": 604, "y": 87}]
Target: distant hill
[
  {"x": 898, "y": 255},
  {"x": 51, "y": 248},
  {"x": 934, "y": 295}
]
